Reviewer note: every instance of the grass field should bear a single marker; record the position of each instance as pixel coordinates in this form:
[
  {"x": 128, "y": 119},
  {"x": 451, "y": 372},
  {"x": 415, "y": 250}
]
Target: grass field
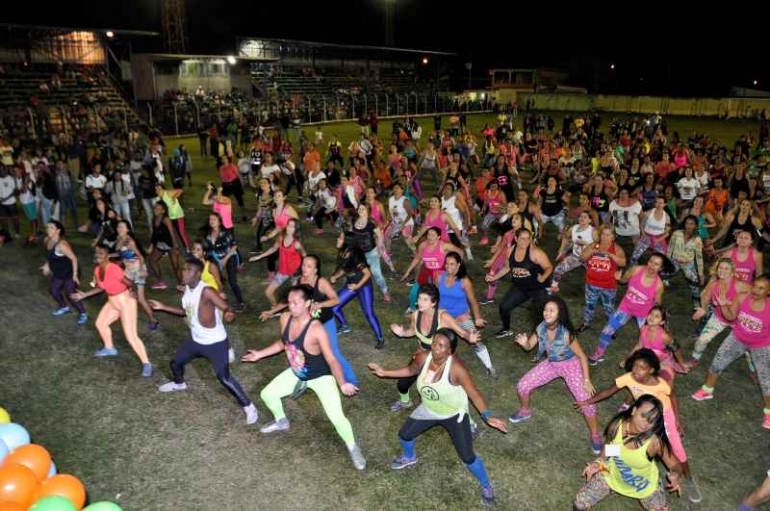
[{"x": 193, "y": 451}]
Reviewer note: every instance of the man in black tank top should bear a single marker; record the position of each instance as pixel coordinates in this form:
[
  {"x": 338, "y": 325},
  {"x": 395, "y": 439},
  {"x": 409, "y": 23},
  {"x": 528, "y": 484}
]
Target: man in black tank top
[{"x": 312, "y": 364}]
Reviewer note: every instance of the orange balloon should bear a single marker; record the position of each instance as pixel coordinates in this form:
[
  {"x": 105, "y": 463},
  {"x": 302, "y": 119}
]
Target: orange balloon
[
  {"x": 64, "y": 485},
  {"x": 11, "y": 506},
  {"x": 17, "y": 483},
  {"x": 34, "y": 457}
]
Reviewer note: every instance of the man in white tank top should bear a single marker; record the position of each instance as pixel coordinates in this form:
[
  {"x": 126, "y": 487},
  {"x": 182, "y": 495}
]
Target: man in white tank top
[{"x": 204, "y": 309}]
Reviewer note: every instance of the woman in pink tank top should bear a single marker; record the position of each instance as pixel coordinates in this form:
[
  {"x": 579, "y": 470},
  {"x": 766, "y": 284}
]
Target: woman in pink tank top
[
  {"x": 655, "y": 337},
  {"x": 437, "y": 218},
  {"x": 220, "y": 204},
  {"x": 431, "y": 253},
  {"x": 726, "y": 286},
  {"x": 750, "y": 313},
  {"x": 282, "y": 213},
  {"x": 747, "y": 259},
  {"x": 645, "y": 289}
]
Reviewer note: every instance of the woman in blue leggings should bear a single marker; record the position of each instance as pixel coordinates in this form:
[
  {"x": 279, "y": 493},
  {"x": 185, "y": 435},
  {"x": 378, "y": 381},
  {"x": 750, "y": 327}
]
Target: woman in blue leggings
[{"x": 358, "y": 283}]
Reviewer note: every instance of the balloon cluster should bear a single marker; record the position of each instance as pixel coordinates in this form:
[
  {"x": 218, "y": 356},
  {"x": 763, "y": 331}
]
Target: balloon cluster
[{"x": 29, "y": 480}]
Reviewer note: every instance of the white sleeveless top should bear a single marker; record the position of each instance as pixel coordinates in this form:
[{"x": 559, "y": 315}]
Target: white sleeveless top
[
  {"x": 581, "y": 238},
  {"x": 201, "y": 334},
  {"x": 449, "y": 206},
  {"x": 655, "y": 227},
  {"x": 397, "y": 209}
]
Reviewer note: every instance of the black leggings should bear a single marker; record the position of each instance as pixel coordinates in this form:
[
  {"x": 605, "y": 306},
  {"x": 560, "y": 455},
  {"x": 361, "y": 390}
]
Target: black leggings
[
  {"x": 232, "y": 277},
  {"x": 515, "y": 297},
  {"x": 321, "y": 214},
  {"x": 217, "y": 354},
  {"x": 69, "y": 287},
  {"x": 234, "y": 188},
  {"x": 459, "y": 432},
  {"x": 296, "y": 179}
]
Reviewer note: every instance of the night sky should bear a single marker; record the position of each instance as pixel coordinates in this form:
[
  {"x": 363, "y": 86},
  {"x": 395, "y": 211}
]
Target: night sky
[{"x": 654, "y": 51}]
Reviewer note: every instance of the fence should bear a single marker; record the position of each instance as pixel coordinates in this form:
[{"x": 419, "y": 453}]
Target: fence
[
  {"x": 708, "y": 107},
  {"x": 184, "y": 117}
]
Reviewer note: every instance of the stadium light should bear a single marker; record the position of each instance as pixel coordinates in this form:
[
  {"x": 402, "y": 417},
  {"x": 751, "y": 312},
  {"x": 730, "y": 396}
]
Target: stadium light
[
  {"x": 756, "y": 82},
  {"x": 425, "y": 61},
  {"x": 110, "y": 34},
  {"x": 231, "y": 60},
  {"x": 612, "y": 66}
]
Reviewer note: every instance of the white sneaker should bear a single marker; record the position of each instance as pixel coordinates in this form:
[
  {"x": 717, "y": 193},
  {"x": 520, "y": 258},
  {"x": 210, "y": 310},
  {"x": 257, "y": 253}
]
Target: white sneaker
[
  {"x": 252, "y": 415},
  {"x": 230, "y": 355},
  {"x": 357, "y": 457},
  {"x": 275, "y": 426},
  {"x": 172, "y": 387}
]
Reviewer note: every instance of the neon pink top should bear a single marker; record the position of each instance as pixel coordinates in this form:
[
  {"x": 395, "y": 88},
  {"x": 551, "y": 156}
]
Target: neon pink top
[
  {"x": 225, "y": 211},
  {"x": 434, "y": 260},
  {"x": 282, "y": 219},
  {"x": 638, "y": 300},
  {"x": 680, "y": 160},
  {"x": 438, "y": 222},
  {"x": 113, "y": 279},
  {"x": 377, "y": 214},
  {"x": 744, "y": 270},
  {"x": 289, "y": 258},
  {"x": 732, "y": 292},
  {"x": 656, "y": 344},
  {"x": 752, "y": 328}
]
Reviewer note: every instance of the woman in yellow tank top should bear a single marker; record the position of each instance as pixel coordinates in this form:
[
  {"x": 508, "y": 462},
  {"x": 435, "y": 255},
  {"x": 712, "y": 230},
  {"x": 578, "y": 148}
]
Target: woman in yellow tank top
[
  {"x": 445, "y": 386},
  {"x": 635, "y": 438}
]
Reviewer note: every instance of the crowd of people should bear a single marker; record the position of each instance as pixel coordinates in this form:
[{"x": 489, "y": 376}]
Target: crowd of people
[{"x": 638, "y": 207}]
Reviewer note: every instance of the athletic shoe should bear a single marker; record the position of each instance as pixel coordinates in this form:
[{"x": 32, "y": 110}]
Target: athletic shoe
[
  {"x": 766, "y": 421},
  {"x": 154, "y": 325},
  {"x": 487, "y": 496},
  {"x": 520, "y": 417},
  {"x": 403, "y": 462},
  {"x": 345, "y": 329},
  {"x": 387, "y": 298},
  {"x": 486, "y": 301},
  {"x": 106, "y": 352},
  {"x": 160, "y": 285},
  {"x": 61, "y": 311},
  {"x": 596, "y": 445},
  {"x": 380, "y": 344},
  {"x": 275, "y": 426},
  {"x": 702, "y": 395},
  {"x": 240, "y": 307},
  {"x": 251, "y": 414},
  {"x": 172, "y": 387},
  {"x": 82, "y": 319},
  {"x": 484, "y": 241},
  {"x": 492, "y": 372},
  {"x": 596, "y": 360},
  {"x": 147, "y": 370},
  {"x": 582, "y": 328},
  {"x": 357, "y": 457},
  {"x": 691, "y": 490},
  {"x": 400, "y": 405},
  {"x": 230, "y": 356},
  {"x": 500, "y": 334}
]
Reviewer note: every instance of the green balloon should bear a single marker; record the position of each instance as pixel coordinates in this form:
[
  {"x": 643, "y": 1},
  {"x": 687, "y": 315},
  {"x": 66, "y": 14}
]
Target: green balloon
[
  {"x": 103, "y": 506},
  {"x": 53, "y": 503}
]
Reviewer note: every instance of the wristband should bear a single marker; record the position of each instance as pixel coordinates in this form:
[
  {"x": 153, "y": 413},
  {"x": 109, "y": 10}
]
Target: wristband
[{"x": 486, "y": 414}]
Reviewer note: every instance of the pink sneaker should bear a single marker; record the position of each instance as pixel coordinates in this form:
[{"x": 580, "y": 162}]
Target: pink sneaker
[
  {"x": 387, "y": 298},
  {"x": 702, "y": 395},
  {"x": 160, "y": 285},
  {"x": 484, "y": 241},
  {"x": 766, "y": 422}
]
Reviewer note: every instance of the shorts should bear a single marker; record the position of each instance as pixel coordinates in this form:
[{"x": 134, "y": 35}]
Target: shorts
[
  {"x": 279, "y": 278},
  {"x": 30, "y": 210},
  {"x": 8, "y": 210},
  {"x": 136, "y": 273}
]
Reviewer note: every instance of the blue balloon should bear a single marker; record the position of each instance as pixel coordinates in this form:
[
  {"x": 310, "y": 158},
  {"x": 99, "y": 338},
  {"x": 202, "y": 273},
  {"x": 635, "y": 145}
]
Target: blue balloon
[
  {"x": 4, "y": 450},
  {"x": 52, "y": 471},
  {"x": 14, "y": 435}
]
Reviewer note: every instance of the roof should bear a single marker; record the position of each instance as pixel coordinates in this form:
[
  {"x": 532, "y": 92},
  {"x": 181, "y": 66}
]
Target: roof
[
  {"x": 316, "y": 44},
  {"x": 116, "y": 31}
]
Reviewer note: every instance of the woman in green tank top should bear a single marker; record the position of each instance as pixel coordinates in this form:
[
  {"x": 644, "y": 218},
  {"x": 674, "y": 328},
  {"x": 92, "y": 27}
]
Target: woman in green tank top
[
  {"x": 635, "y": 438},
  {"x": 445, "y": 387}
]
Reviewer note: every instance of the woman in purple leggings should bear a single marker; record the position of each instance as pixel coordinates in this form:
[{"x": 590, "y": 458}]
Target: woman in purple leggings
[{"x": 62, "y": 266}]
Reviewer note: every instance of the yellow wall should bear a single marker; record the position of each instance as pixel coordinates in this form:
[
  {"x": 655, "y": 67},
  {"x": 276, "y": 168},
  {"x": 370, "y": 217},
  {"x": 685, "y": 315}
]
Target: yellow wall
[{"x": 736, "y": 107}]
